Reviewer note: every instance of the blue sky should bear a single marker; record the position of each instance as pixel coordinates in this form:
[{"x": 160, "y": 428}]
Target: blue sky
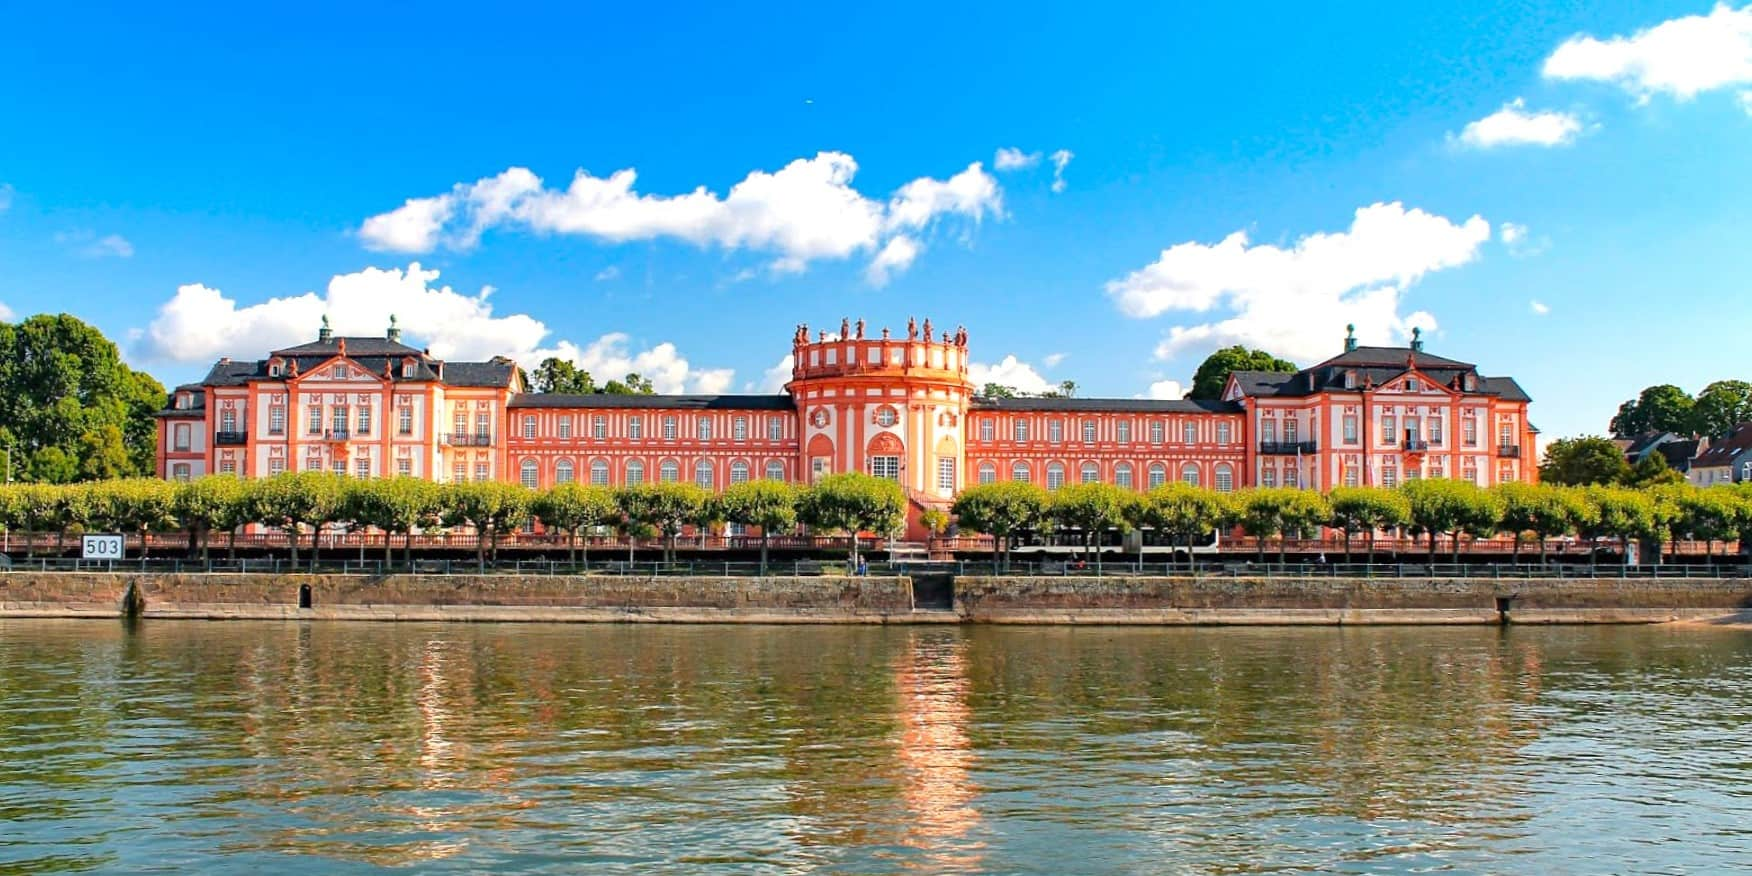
[{"x": 186, "y": 179}]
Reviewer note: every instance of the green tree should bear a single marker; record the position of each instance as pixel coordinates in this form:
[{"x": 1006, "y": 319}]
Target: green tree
[
  {"x": 294, "y": 500},
  {"x": 136, "y": 505},
  {"x": 1214, "y": 371},
  {"x": 207, "y": 504},
  {"x": 1304, "y": 512},
  {"x": 1545, "y": 510},
  {"x": 1579, "y": 462},
  {"x": 768, "y": 504},
  {"x": 997, "y": 390},
  {"x": 69, "y": 407},
  {"x": 397, "y": 506},
  {"x": 1092, "y": 509},
  {"x": 1453, "y": 507},
  {"x": 1721, "y": 406},
  {"x": 556, "y": 375},
  {"x": 1264, "y": 512},
  {"x": 1663, "y": 408},
  {"x": 1652, "y": 471},
  {"x": 853, "y": 502},
  {"x": 1000, "y": 510},
  {"x": 1621, "y": 513},
  {"x": 632, "y": 384},
  {"x": 1366, "y": 510},
  {"x": 491, "y": 507},
  {"x": 662, "y": 507},
  {"x": 576, "y": 508},
  {"x": 1182, "y": 512}
]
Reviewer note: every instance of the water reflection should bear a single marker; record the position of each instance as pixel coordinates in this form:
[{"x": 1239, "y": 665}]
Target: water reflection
[{"x": 331, "y": 748}]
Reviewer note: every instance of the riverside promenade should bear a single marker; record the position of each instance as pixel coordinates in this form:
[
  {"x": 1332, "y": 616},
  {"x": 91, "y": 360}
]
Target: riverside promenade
[{"x": 979, "y": 599}]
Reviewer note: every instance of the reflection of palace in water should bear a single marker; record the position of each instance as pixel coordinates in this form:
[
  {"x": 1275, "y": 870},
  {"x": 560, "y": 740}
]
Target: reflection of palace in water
[{"x": 935, "y": 752}]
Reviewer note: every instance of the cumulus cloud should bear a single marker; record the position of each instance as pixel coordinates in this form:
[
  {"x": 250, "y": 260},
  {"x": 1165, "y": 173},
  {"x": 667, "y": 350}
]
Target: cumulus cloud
[
  {"x": 1294, "y": 301},
  {"x": 1520, "y": 242},
  {"x": 6, "y": 313},
  {"x": 87, "y": 244},
  {"x": 1011, "y": 158},
  {"x": 200, "y": 323},
  {"x": 1167, "y": 389},
  {"x": 896, "y": 256},
  {"x": 1060, "y": 160},
  {"x": 1679, "y": 57},
  {"x": 1011, "y": 372},
  {"x": 803, "y": 212},
  {"x": 1513, "y": 125},
  {"x": 773, "y": 379},
  {"x": 1051, "y": 360},
  {"x": 1538, "y": 307}
]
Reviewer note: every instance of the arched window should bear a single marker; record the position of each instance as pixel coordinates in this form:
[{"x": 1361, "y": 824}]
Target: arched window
[
  {"x": 1225, "y": 478},
  {"x": 669, "y": 471},
  {"x": 1055, "y": 475},
  {"x": 563, "y": 471},
  {"x": 1189, "y": 474},
  {"x": 988, "y": 473},
  {"x": 635, "y": 472},
  {"x": 599, "y": 472},
  {"x": 1122, "y": 475},
  {"x": 1158, "y": 474},
  {"x": 527, "y": 473},
  {"x": 775, "y": 470},
  {"x": 1090, "y": 473},
  {"x": 1019, "y": 473},
  {"x": 738, "y": 472},
  {"x": 703, "y": 473}
]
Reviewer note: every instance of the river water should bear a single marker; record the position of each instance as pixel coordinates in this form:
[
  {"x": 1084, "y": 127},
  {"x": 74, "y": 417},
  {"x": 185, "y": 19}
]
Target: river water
[{"x": 350, "y": 747}]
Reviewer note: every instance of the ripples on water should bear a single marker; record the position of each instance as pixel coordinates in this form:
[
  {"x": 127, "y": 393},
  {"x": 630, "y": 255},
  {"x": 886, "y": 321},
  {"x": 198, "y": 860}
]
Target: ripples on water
[{"x": 331, "y": 748}]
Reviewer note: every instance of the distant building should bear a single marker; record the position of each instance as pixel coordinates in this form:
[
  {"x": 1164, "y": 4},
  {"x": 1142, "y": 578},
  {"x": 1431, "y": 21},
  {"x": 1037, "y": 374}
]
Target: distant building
[{"x": 1727, "y": 461}]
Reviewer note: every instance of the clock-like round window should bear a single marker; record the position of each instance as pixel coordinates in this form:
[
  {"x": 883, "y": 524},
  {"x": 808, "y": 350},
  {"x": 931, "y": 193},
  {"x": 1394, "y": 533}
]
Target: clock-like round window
[
  {"x": 819, "y": 418},
  {"x": 886, "y": 416}
]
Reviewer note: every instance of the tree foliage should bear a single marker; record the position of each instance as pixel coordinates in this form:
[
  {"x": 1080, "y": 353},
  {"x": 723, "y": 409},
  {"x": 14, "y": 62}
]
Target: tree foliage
[
  {"x": 1000, "y": 510},
  {"x": 491, "y": 507},
  {"x": 1663, "y": 408},
  {"x": 1721, "y": 406},
  {"x": 663, "y": 507},
  {"x": 1092, "y": 509},
  {"x": 70, "y": 409},
  {"x": 556, "y": 375},
  {"x": 1214, "y": 371},
  {"x": 1579, "y": 462},
  {"x": 852, "y": 502},
  {"x": 768, "y": 504},
  {"x": 1366, "y": 510},
  {"x": 575, "y": 509}
]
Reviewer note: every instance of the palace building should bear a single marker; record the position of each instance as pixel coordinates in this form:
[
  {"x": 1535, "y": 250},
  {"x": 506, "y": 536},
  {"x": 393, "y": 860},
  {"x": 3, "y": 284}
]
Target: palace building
[{"x": 900, "y": 407}]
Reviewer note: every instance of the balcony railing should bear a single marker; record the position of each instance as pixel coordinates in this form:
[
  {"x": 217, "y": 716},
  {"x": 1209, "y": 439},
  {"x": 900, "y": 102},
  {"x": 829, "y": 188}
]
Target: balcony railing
[
  {"x": 1416, "y": 445},
  {"x": 225, "y": 437},
  {"x": 469, "y": 439},
  {"x": 1509, "y": 451},
  {"x": 335, "y": 435},
  {"x": 1287, "y": 447}
]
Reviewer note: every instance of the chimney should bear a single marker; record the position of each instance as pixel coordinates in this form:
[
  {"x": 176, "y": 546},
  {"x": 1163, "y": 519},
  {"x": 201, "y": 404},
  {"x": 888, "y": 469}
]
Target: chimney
[
  {"x": 1350, "y": 337},
  {"x": 323, "y": 335},
  {"x": 1416, "y": 339},
  {"x": 394, "y": 333}
]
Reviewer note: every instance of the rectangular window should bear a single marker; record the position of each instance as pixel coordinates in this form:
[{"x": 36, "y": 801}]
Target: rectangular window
[
  {"x": 1122, "y": 431},
  {"x": 599, "y": 427},
  {"x": 1156, "y": 430},
  {"x": 1055, "y": 431},
  {"x": 1122, "y": 476},
  {"x": 599, "y": 473},
  {"x": 459, "y": 472},
  {"x": 1223, "y": 433},
  {"x": 1088, "y": 431},
  {"x": 313, "y": 419},
  {"x": 277, "y": 420},
  {"x": 1388, "y": 435},
  {"x": 228, "y": 421},
  {"x": 565, "y": 427},
  {"x": 362, "y": 468},
  {"x": 338, "y": 419},
  {"x": 1436, "y": 430},
  {"x": 635, "y": 428},
  {"x": 775, "y": 429},
  {"x": 529, "y": 427},
  {"x": 1291, "y": 428},
  {"x": 1436, "y": 470},
  {"x": 1389, "y": 476},
  {"x": 483, "y": 424},
  {"x": 228, "y": 464},
  {"x": 1158, "y": 476},
  {"x": 1268, "y": 431},
  {"x": 1413, "y": 429},
  {"x": 404, "y": 467},
  {"x": 669, "y": 431},
  {"x": 1350, "y": 428},
  {"x": 739, "y": 429},
  {"x": 180, "y": 471},
  {"x": 703, "y": 429},
  {"x": 1505, "y": 434},
  {"x": 404, "y": 420},
  {"x": 1292, "y": 478},
  {"x": 182, "y": 438},
  {"x": 364, "y": 420},
  {"x": 945, "y": 474},
  {"x": 988, "y": 474},
  {"x": 529, "y": 475},
  {"x": 1225, "y": 480},
  {"x": 482, "y": 471},
  {"x": 987, "y": 432},
  {"x": 459, "y": 420},
  {"x": 1055, "y": 477},
  {"x": 1350, "y": 476},
  {"x": 339, "y": 372},
  {"x": 277, "y": 465},
  {"x": 1268, "y": 477},
  {"x": 885, "y": 467},
  {"x": 1021, "y": 430},
  {"x": 1189, "y": 433},
  {"x": 1469, "y": 432},
  {"x": 338, "y": 466}
]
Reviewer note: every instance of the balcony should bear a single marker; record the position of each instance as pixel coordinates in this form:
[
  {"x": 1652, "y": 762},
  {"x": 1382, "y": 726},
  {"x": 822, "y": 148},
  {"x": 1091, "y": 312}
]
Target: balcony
[
  {"x": 1509, "y": 451},
  {"x": 335, "y": 435},
  {"x": 1416, "y": 445},
  {"x": 1287, "y": 448},
  {"x": 225, "y": 438},
  {"x": 469, "y": 439}
]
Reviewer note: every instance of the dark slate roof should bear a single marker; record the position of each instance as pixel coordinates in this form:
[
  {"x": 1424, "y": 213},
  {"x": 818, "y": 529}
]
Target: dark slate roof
[
  {"x": 196, "y": 409},
  {"x": 226, "y": 373},
  {"x": 376, "y": 346},
  {"x": 497, "y": 372},
  {"x": 1117, "y": 405},
  {"x": 1393, "y": 357},
  {"x": 1374, "y": 366},
  {"x": 1723, "y": 452},
  {"x": 491, "y": 374},
  {"x": 1679, "y": 453},
  {"x": 1506, "y": 387},
  {"x": 1264, "y": 382},
  {"x": 684, "y": 402}
]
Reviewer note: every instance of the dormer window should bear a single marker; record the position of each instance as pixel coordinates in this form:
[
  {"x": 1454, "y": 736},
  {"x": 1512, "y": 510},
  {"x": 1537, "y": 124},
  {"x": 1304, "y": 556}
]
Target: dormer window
[
  {"x": 1350, "y": 380},
  {"x": 338, "y": 372},
  {"x": 1412, "y": 385},
  {"x": 275, "y": 368},
  {"x": 407, "y": 368},
  {"x": 1471, "y": 382},
  {"x": 184, "y": 400}
]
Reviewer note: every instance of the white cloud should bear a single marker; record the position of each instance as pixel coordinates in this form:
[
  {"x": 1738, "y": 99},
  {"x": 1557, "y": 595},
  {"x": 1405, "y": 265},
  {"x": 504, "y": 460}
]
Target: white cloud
[
  {"x": 89, "y": 245},
  {"x": 1745, "y": 100},
  {"x": 1011, "y": 372},
  {"x": 1538, "y": 307},
  {"x": 1520, "y": 242},
  {"x": 803, "y": 212},
  {"x": 612, "y": 272},
  {"x": 1051, "y": 360},
  {"x": 200, "y": 323},
  {"x": 773, "y": 379},
  {"x": 1295, "y": 301},
  {"x": 6, "y": 192},
  {"x": 1011, "y": 158},
  {"x": 1680, "y": 57},
  {"x": 896, "y": 256},
  {"x": 1167, "y": 389},
  {"x": 1513, "y": 234},
  {"x": 1060, "y": 160},
  {"x": 6, "y": 313},
  {"x": 1514, "y": 126}
]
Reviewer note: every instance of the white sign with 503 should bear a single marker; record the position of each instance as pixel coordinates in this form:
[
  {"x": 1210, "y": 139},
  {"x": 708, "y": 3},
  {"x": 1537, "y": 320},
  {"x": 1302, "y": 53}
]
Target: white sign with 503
[{"x": 102, "y": 547}]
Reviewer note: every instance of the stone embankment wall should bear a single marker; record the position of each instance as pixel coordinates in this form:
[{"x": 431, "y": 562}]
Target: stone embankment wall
[
  {"x": 460, "y": 597},
  {"x": 1319, "y": 600}
]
